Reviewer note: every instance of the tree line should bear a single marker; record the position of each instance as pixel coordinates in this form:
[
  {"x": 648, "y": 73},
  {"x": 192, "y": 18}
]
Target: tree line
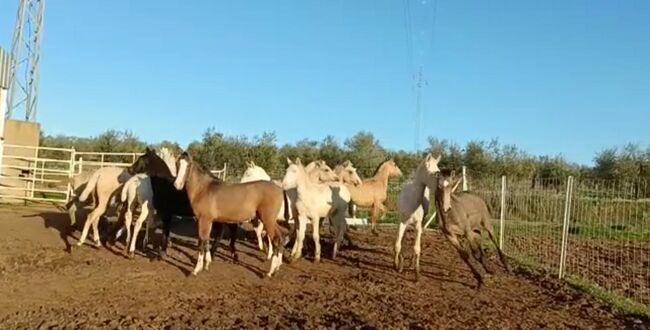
[{"x": 483, "y": 159}]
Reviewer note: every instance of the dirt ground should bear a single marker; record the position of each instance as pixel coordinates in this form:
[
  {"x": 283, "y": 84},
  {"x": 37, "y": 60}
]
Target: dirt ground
[{"x": 43, "y": 286}]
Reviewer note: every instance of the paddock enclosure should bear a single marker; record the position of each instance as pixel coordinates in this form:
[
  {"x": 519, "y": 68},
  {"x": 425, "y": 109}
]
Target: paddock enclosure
[{"x": 44, "y": 287}]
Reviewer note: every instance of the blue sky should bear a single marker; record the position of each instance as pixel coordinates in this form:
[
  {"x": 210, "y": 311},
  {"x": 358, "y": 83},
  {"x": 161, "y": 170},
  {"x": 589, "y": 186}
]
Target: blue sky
[{"x": 553, "y": 77}]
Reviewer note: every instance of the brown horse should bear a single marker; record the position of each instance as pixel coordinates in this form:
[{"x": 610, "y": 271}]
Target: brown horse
[
  {"x": 214, "y": 201},
  {"x": 464, "y": 215},
  {"x": 372, "y": 193}
]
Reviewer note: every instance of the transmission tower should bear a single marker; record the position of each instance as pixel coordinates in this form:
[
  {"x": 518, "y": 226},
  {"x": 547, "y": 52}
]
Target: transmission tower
[{"x": 25, "y": 58}]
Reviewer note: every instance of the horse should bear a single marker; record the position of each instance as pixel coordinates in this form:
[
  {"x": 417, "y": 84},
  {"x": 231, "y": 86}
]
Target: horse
[
  {"x": 315, "y": 201},
  {"x": 413, "y": 206},
  {"x": 105, "y": 185},
  {"x": 168, "y": 201},
  {"x": 137, "y": 189},
  {"x": 464, "y": 214},
  {"x": 372, "y": 192},
  {"x": 214, "y": 201}
]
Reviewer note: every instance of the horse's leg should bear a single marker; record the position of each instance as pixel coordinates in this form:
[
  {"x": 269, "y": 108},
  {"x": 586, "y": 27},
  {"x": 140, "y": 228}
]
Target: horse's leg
[
  {"x": 490, "y": 230},
  {"x": 315, "y": 233},
  {"x": 167, "y": 222},
  {"x": 399, "y": 259},
  {"x": 233, "y": 228},
  {"x": 374, "y": 214},
  {"x": 72, "y": 212},
  {"x": 204, "y": 229},
  {"x": 296, "y": 252},
  {"x": 216, "y": 233},
  {"x": 91, "y": 219},
  {"x": 269, "y": 253},
  {"x": 417, "y": 248},
  {"x": 275, "y": 239},
  {"x": 474, "y": 240},
  {"x": 144, "y": 214},
  {"x": 259, "y": 227},
  {"x": 453, "y": 239},
  {"x": 128, "y": 219}
]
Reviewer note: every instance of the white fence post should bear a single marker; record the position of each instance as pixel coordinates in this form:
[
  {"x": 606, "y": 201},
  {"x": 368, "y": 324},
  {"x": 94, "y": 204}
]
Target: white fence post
[
  {"x": 71, "y": 173},
  {"x": 502, "y": 218},
  {"x": 464, "y": 178},
  {"x": 565, "y": 226}
]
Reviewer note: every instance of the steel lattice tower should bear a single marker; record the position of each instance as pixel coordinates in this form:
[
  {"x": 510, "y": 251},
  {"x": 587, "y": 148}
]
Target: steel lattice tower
[{"x": 25, "y": 58}]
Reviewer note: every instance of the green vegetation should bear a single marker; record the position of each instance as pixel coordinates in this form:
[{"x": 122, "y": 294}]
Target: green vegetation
[{"x": 483, "y": 159}]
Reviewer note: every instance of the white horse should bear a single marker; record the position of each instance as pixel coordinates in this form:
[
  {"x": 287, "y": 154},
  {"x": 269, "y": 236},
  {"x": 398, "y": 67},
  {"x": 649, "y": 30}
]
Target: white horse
[
  {"x": 137, "y": 191},
  {"x": 413, "y": 206},
  {"x": 318, "y": 170},
  {"x": 314, "y": 201}
]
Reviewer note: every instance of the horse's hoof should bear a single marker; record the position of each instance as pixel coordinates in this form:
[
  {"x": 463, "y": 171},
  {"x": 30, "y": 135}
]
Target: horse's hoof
[
  {"x": 131, "y": 255},
  {"x": 317, "y": 260},
  {"x": 235, "y": 259}
]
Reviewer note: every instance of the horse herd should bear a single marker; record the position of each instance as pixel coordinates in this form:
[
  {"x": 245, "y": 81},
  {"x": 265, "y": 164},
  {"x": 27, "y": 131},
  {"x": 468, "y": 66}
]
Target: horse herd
[{"x": 165, "y": 186}]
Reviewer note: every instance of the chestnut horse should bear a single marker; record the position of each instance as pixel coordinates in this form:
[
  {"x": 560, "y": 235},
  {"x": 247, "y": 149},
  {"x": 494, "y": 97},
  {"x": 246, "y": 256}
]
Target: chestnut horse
[
  {"x": 214, "y": 201},
  {"x": 372, "y": 192}
]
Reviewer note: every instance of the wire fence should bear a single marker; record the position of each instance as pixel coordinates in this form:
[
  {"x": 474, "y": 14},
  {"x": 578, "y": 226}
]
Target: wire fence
[{"x": 589, "y": 231}]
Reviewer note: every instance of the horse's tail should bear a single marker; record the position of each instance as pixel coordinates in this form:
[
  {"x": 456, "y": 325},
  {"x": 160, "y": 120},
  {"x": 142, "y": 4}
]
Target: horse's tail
[
  {"x": 285, "y": 200},
  {"x": 90, "y": 187}
]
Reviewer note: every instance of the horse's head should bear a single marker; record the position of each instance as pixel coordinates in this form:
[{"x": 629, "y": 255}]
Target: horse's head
[
  {"x": 295, "y": 171},
  {"x": 348, "y": 173},
  {"x": 323, "y": 172},
  {"x": 431, "y": 164},
  {"x": 393, "y": 169},
  {"x": 447, "y": 185},
  {"x": 254, "y": 173},
  {"x": 184, "y": 165},
  {"x": 150, "y": 164}
]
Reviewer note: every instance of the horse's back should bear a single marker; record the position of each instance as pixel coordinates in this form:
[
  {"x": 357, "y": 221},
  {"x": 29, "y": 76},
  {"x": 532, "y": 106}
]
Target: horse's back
[{"x": 470, "y": 204}]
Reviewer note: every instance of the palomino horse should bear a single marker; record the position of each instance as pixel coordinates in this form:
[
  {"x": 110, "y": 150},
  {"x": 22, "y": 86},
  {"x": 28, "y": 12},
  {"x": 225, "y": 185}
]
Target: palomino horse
[
  {"x": 413, "y": 206},
  {"x": 105, "y": 183},
  {"x": 213, "y": 201},
  {"x": 373, "y": 192},
  {"x": 167, "y": 200},
  {"x": 315, "y": 201},
  {"x": 464, "y": 214}
]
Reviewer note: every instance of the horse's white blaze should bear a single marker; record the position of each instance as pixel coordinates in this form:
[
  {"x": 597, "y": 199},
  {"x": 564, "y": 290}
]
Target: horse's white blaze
[
  {"x": 445, "y": 183},
  {"x": 179, "y": 183}
]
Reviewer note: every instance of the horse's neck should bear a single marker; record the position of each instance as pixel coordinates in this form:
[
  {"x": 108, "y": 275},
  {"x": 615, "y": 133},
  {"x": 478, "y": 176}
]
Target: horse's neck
[
  {"x": 382, "y": 175},
  {"x": 305, "y": 183},
  {"x": 197, "y": 182}
]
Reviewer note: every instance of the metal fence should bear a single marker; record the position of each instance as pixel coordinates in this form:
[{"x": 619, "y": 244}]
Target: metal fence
[
  {"x": 42, "y": 174},
  {"x": 595, "y": 232}
]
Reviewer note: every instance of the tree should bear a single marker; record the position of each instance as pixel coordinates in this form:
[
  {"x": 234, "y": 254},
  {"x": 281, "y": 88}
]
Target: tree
[{"x": 365, "y": 152}]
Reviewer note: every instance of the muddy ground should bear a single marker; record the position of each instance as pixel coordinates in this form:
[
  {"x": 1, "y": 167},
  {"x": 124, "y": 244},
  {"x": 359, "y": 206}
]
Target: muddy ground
[{"x": 43, "y": 286}]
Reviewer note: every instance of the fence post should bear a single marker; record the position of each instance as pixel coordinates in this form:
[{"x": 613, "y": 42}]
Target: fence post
[
  {"x": 565, "y": 226},
  {"x": 502, "y": 218},
  {"x": 464, "y": 178},
  {"x": 71, "y": 173}
]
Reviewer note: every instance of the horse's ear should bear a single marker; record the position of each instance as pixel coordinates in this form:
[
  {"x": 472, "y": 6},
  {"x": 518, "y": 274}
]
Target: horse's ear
[
  {"x": 347, "y": 163},
  {"x": 252, "y": 164},
  {"x": 438, "y": 158},
  {"x": 289, "y": 161},
  {"x": 298, "y": 161},
  {"x": 147, "y": 150}
]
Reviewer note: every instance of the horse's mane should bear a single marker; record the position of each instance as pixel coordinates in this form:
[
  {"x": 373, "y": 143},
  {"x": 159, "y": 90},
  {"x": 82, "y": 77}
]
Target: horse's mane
[
  {"x": 166, "y": 155},
  {"x": 379, "y": 167}
]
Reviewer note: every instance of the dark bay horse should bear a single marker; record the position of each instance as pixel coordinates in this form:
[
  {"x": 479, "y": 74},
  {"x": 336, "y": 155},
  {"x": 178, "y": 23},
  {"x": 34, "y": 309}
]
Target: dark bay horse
[
  {"x": 170, "y": 202},
  {"x": 215, "y": 201}
]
